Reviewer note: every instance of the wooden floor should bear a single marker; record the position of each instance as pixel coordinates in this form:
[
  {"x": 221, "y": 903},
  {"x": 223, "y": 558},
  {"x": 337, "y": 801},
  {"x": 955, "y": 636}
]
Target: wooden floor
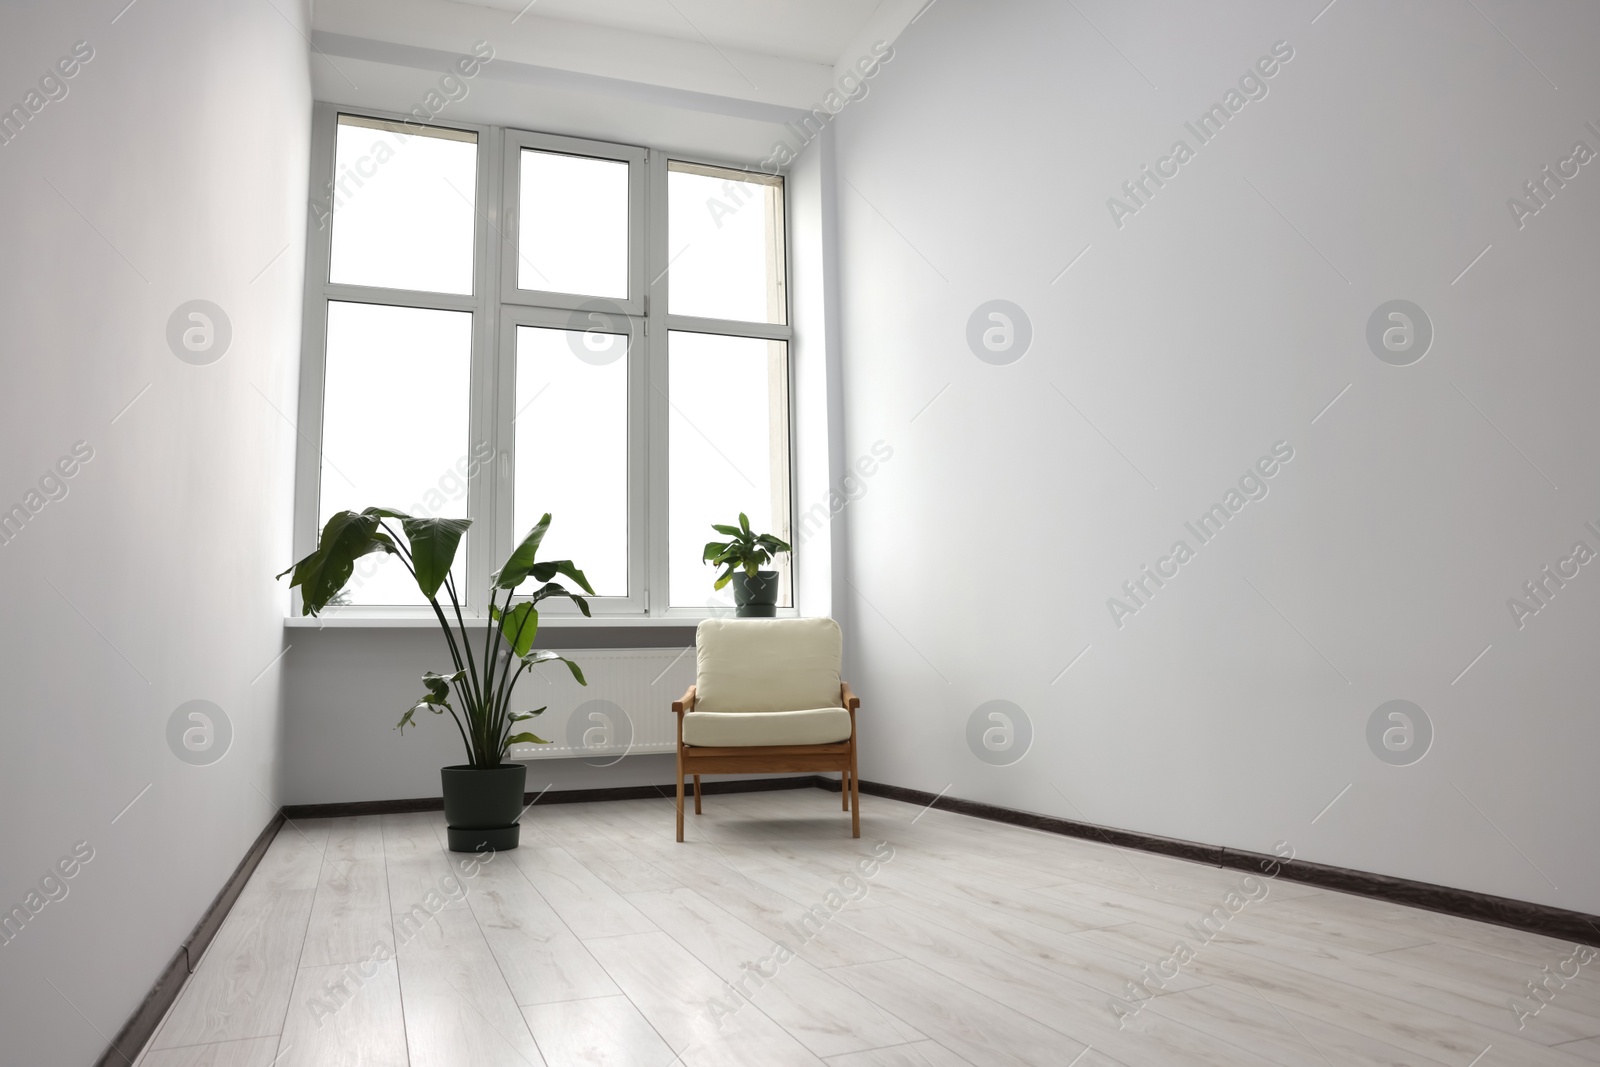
[{"x": 602, "y": 941}]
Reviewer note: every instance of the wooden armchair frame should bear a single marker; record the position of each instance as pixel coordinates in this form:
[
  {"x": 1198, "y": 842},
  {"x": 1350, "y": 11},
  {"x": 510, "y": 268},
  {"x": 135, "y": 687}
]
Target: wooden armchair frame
[{"x": 745, "y": 759}]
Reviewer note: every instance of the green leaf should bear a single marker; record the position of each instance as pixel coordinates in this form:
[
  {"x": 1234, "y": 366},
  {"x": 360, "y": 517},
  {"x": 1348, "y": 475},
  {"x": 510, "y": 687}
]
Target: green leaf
[
  {"x": 545, "y": 655},
  {"x": 437, "y": 707},
  {"x": 520, "y": 562},
  {"x": 543, "y": 572},
  {"x": 523, "y": 739},
  {"x": 519, "y": 716},
  {"x": 723, "y": 579},
  {"x": 731, "y": 531},
  {"x": 433, "y": 549},
  {"x": 519, "y": 629},
  {"x": 347, "y": 537},
  {"x": 438, "y": 686},
  {"x": 551, "y": 589}
]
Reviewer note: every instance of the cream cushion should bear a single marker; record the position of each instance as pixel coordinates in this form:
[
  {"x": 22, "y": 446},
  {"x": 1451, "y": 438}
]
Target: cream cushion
[
  {"x": 751, "y": 666},
  {"x": 820, "y": 726}
]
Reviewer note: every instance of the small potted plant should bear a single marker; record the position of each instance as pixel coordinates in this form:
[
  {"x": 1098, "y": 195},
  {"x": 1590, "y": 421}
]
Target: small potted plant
[
  {"x": 483, "y": 797},
  {"x": 755, "y": 591}
]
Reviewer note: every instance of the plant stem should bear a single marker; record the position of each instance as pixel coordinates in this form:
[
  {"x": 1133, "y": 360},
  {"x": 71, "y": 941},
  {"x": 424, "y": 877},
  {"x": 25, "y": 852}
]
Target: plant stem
[
  {"x": 468, "y": 697},
  {"x": 455, "y": 603}
]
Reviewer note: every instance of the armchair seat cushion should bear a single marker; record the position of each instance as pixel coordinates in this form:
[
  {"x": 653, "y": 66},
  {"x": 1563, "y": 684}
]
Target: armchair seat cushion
[{"x": 821, "y": 726}]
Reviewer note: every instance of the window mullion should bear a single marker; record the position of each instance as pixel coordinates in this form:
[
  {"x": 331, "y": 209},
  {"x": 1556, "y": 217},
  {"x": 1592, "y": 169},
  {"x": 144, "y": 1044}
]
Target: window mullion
[
  {"x": 731, "y": 327},
  {"x": 308, "y": 460},
  {"x": 486, "y": 544},
  {"x": 655, "y": 404}
]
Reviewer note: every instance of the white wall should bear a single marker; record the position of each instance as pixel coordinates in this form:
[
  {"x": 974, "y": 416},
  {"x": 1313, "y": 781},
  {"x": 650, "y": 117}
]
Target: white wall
[
  {"x": 345, "y": 689},
  {"x": 174, "y": 169},
  {"x": 1218, "y": 320}
]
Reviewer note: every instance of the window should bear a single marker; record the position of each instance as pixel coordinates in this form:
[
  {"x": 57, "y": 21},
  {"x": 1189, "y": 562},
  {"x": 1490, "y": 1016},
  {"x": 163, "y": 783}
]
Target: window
[
  {"x": 502, "y": 323},
  {"x": 725, "y": 438},
  {"x": 572, "y": 448},
  {"x": 394, "y": 424}
]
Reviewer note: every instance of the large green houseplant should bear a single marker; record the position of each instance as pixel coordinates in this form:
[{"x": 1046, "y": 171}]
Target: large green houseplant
[
  {"x": 483, "y": 797},
  {"x": 755, "y": 591}
]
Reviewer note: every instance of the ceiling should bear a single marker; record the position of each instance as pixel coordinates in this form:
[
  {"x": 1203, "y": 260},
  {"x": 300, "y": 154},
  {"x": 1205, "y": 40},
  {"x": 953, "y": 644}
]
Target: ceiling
[
  {"x": 718, "y": 78},
  {"x": 812, "y": 31}
]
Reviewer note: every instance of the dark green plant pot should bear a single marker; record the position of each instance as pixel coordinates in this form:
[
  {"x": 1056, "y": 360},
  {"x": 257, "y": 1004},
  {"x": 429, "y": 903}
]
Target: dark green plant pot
[
  {"x": 755, "y": 598},
  {"x": 482, "y": 806}
]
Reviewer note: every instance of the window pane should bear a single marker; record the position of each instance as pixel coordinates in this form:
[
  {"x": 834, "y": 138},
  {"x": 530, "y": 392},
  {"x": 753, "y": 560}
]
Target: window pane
[
  {"x": 728, "y": 452},
  {"x": 403, "y": 206},
  {"x": 572, "y": 449},
  {"x": 725, "y": 237},
  {"x": 573, "y": 236},
  {"x": 394, "y": 427}
]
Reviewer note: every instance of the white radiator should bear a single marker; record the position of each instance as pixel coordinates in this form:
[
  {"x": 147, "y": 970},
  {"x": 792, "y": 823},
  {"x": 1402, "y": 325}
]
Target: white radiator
[{"x": 626, "y": 707}]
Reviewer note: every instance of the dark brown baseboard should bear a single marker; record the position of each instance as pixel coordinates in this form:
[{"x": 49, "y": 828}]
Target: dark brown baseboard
[
  {"x": 141, "y": 1025},
  {"x": 554, "y": 796},
  {"x": 1462, "y": 903}
]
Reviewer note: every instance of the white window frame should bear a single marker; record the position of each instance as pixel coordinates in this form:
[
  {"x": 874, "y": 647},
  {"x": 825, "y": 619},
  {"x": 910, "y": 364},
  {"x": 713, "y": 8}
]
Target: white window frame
[{"x": 498, "y": 307}]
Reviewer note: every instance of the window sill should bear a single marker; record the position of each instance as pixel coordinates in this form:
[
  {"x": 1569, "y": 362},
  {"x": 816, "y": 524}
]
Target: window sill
[
  {"x": 393, "y": 621},
  {"x": 562, "y": 632}
]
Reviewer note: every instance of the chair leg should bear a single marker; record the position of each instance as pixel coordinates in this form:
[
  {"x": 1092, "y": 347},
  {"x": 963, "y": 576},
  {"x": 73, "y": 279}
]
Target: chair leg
[
  {"x": 697, "y": 794},
  {"x": 844, "y": 790},
  {"x": 680, "y": 794},
  {"x": 855, "y": 796}
]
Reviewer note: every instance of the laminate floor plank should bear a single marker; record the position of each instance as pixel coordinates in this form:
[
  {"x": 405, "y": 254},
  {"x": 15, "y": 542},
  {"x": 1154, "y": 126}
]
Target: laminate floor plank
[
  {"x": 756, "y": 904},
  {"x": 588, "y": 906},
  {"x": 357, "y": 837},
  {"x": 341, "y": 1018},
  {"x": 598, "y": 1032},
  {"x": 829, "y": 1018},
  {"x": 241, "y": 988},
  {"x": 459, "y": 1010},
  {"x": 1491, "y": 970},
  {"x": 350, "y": 918},
  {"x": 1454, "y": 990},
  {"x": 690, "y": 1006},
  {"x": 1515, "y": 945},
  {"x": 1283, "y": 1036},
  {"x": 979, "y": 1029},
  {"x": 1074, "y": 1010},
  {"x": 423, "y": 876},
  {"x": 1355, "y": 1004},
  {"x": 1015, "y": 932},
  {"x": 253, "y": 1052},
  {"x": 914, "y": 1054},
  {"x": 541, "y": 958},
  {"x": 1587, "y": 1051}
]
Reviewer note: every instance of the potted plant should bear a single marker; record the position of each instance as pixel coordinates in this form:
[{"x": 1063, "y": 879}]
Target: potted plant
[
  {"x": 755, "y": 591},
  {"x": 483, "y": 797}
]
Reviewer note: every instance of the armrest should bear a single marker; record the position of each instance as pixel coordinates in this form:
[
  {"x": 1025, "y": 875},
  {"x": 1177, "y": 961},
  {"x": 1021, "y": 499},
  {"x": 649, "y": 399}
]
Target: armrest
[
  {"x": 847, "y": 697},
  {"x": 686, "y": 704}
]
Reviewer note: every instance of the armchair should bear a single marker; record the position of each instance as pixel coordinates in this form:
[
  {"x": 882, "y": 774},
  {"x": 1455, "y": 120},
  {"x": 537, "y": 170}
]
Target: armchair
[{"x": 768, "y": 697}]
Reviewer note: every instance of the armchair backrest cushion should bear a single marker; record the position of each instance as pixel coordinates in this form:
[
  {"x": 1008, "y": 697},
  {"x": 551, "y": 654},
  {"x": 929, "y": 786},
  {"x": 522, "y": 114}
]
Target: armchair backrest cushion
[{"x": 752, "y": 665}]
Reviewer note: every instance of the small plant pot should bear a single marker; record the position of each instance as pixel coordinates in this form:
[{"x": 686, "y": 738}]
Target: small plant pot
[
  {"x": 755, "y": 598},
  {"x": 482, "y": 806}
]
